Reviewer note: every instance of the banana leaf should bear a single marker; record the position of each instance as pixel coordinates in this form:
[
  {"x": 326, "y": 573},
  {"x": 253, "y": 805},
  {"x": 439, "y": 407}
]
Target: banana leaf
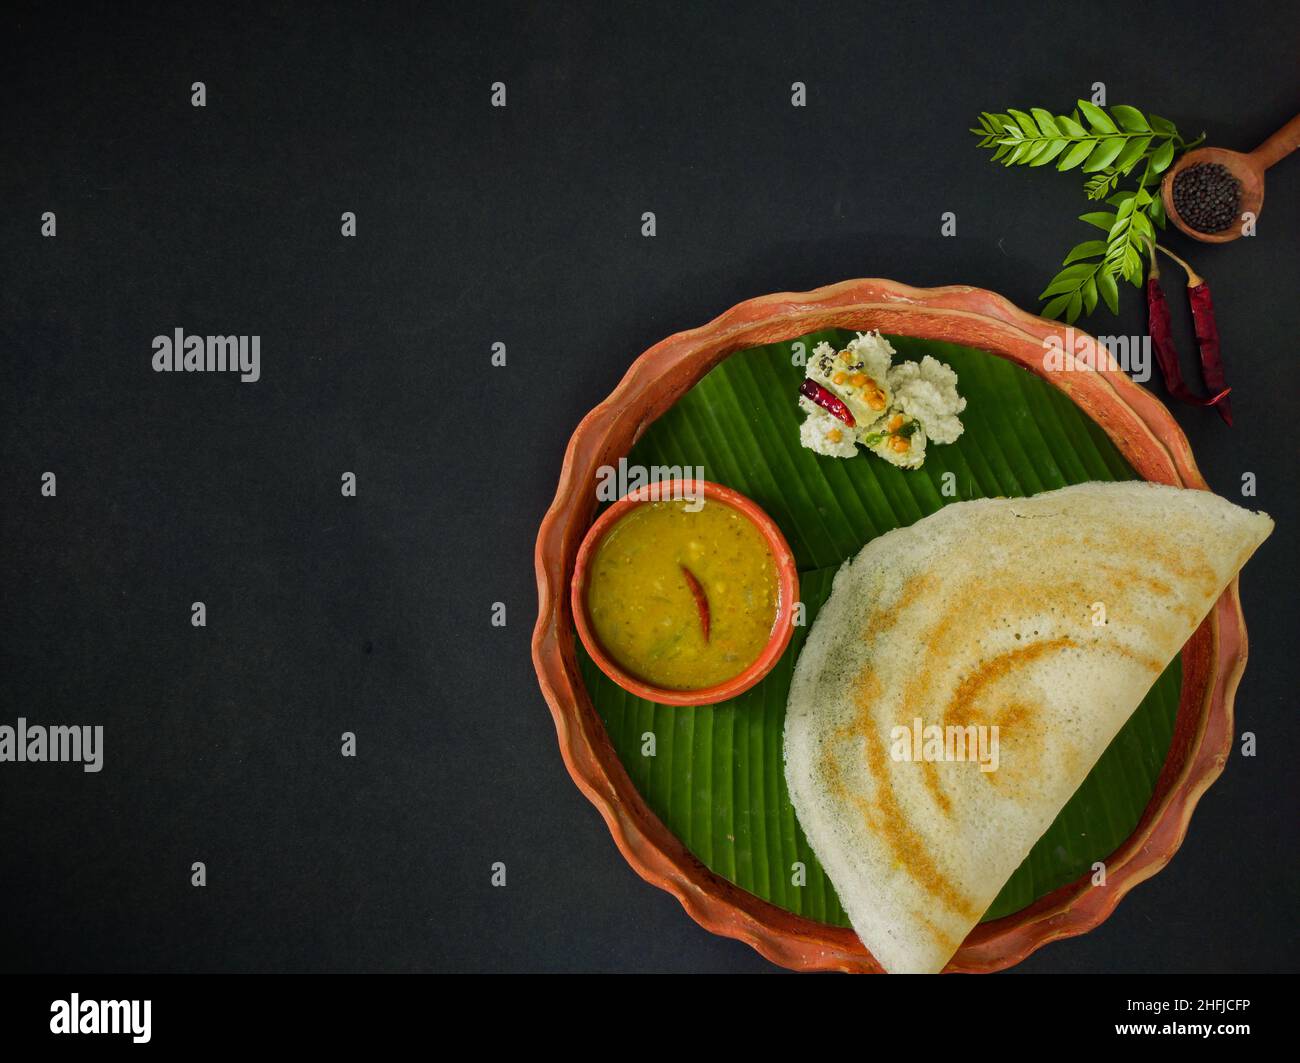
[{"x": 714, "y": 774}]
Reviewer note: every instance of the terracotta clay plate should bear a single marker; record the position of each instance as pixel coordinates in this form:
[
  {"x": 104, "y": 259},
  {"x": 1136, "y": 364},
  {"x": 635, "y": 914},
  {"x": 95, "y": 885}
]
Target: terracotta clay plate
[{"x": 1141, "y": 429}]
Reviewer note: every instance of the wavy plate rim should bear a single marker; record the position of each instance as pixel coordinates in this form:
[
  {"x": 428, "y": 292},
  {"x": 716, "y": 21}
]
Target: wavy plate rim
[{"x": 1136, "y": 421}]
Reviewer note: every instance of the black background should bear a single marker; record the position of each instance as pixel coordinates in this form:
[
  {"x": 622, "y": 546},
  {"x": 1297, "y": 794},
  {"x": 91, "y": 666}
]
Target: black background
[{"x": 519, "y": 225}]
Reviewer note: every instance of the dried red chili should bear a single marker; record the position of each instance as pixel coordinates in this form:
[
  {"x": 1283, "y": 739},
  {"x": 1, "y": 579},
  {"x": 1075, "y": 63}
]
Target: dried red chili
[
  {"x": 827, "y": 400},
  {"x": 1167, "y": 354},
  {"x": 701, "y": 600},
  {"x": 1207, "y": 337}
]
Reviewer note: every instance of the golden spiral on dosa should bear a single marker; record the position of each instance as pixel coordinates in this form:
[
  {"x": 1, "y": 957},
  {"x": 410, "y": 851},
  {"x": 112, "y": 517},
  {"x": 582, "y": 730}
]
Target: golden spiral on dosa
[{"x": 1047, "y": 617}]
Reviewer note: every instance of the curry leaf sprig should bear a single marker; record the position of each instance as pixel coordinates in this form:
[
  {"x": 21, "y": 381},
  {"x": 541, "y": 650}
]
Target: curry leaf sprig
[{"x": 1109, "y": 146}]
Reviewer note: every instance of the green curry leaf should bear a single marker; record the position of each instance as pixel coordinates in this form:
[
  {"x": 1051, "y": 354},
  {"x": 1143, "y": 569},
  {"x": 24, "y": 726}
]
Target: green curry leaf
[{"x": 1109, "y": 147}]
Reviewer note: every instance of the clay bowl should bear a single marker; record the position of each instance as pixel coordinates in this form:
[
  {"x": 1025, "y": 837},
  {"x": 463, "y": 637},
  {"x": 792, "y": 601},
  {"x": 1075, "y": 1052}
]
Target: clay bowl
[
  {"x": 1141, "y": 428},
  {"x": 782, "y": 625},
  {"x": 1247, "y": 168}
]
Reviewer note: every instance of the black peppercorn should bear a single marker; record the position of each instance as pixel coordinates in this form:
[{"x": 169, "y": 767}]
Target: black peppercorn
[{"x": 1207, "y": 197}]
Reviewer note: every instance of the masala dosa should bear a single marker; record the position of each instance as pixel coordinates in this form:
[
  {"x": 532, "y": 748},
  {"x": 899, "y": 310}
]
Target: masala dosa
[{"x": 1048, "y": 617}]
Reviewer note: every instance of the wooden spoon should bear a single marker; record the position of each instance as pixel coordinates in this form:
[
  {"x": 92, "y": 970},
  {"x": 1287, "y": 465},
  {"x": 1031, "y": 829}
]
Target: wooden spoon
[{"x": 1247, "y": 169}]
